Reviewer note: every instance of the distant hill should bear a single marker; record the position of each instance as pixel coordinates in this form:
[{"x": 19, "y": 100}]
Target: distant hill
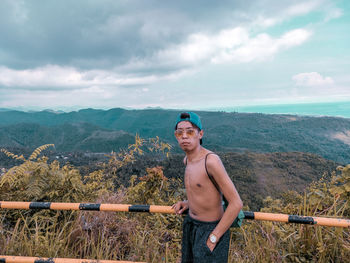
[
  {"x": 66, "y": 137},
  {"x": 101, "y": 130}
]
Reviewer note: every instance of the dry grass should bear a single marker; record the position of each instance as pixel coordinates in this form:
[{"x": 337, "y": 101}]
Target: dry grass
[{"x": 156, "y": 237}]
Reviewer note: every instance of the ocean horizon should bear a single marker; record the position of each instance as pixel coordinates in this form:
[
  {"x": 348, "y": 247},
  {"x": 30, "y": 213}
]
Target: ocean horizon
[{"x": 333, "y": 109}]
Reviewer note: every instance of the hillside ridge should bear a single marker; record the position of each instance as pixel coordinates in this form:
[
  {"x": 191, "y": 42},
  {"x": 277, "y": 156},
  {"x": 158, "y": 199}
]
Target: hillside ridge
[{"x": 328, "y": 137}]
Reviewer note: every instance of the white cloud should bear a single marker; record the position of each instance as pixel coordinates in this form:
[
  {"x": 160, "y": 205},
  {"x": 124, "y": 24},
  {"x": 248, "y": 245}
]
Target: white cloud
[
  {"x": 263, "y": 47},
  {"x": 312, "y": 79},
  {"x": 204, "y": 46},
  {"x": 265, "y": 22},
  {"x": 277, "y": 14},
  {"x": 333, "y": 14},
  {"x": 302, "y": 8},
  {"x": 69, "y": 77},
  {"x": 232, "y": 46},
  {"x": 86, "y": 97},
  {"x": 294, "y": 38}
]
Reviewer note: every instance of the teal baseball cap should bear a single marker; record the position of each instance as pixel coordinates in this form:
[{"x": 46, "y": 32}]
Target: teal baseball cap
[{"x": 191, "y": 117}]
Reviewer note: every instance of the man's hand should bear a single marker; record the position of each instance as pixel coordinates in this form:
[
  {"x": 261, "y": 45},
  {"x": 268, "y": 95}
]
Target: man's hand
[
  {"x": 180, "y": 207},
  {"x": 210, "y": 245}
]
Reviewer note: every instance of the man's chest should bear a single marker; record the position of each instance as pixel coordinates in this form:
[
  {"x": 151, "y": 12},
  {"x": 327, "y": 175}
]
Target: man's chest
[{"x": 196, "y": 177}]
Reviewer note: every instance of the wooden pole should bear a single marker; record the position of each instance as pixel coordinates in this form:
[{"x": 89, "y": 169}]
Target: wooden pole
[
  {"x": 322, "y": 221},
  {"x": 15, "y": 259}
]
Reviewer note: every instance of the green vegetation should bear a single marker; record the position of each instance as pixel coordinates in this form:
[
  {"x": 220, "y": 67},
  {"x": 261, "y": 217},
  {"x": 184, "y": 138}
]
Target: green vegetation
[
  {"x": 104, "y": 131},
  {"x": 155, "y": 237}
]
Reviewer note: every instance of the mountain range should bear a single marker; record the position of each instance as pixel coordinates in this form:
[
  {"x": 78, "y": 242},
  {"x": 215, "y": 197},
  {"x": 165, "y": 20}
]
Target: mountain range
[{"x": 106, "y": 130}]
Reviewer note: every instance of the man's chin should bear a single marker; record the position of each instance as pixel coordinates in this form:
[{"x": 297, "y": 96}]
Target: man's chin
[{"x": 186, "y": 148}]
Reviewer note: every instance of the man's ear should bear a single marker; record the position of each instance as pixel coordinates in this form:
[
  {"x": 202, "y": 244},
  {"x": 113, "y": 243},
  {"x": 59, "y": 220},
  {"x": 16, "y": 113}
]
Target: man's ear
[{"x": 201, "y": 132}]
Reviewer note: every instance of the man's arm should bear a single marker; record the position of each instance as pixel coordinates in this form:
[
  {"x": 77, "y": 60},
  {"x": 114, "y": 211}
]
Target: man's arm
[
  {"x": 218, "y": 171},
  {"x": 181, "y": 206}
]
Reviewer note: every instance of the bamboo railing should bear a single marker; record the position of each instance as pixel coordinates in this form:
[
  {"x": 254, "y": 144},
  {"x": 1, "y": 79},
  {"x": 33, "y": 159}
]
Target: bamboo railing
[
  {"x": 310, "y": 220},
  {"x": 15, "y": 259}
]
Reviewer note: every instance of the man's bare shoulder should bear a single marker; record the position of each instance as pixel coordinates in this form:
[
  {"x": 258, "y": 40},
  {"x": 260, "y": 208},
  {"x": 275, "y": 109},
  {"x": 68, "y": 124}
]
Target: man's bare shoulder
[
  {"x": 214, "y": 164},
  {"x": 213, "y": 158}
]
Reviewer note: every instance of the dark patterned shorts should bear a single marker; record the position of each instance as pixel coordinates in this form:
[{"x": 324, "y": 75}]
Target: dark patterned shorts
[{"x": 195, "y": 234}]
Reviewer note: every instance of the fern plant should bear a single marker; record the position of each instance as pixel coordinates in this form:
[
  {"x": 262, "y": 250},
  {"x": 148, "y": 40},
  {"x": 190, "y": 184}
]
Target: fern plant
[{"x": 35, "y": 180}]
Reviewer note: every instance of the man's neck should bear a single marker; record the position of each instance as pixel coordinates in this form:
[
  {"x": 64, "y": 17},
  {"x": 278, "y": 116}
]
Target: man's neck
[{"x": 195, "y": 153}]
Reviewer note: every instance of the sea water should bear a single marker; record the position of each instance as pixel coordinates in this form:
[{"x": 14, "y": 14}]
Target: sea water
[{"x": 336, "y": 109}]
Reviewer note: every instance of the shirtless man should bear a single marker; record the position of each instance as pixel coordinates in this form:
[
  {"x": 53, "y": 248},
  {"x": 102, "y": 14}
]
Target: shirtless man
[{"x": 206, "y": 234}]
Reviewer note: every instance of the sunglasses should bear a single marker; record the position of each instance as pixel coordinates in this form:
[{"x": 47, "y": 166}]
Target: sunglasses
[{"x": 189, "y": 133}]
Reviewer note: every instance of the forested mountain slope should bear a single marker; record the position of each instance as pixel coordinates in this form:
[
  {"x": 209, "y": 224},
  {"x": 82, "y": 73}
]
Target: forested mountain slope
[{"x": 95, "y": 130}]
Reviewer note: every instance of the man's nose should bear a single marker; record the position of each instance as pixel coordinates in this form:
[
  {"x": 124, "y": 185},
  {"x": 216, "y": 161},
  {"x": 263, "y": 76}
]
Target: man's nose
[{"x": 184, "y": 134}]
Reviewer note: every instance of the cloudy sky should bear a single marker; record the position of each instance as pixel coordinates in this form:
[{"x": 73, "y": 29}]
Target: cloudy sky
[{"x": 72, "y": 54}]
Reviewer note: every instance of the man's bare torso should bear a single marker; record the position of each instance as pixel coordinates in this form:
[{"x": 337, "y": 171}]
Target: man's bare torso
[{"x": 204, "y": 200}]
